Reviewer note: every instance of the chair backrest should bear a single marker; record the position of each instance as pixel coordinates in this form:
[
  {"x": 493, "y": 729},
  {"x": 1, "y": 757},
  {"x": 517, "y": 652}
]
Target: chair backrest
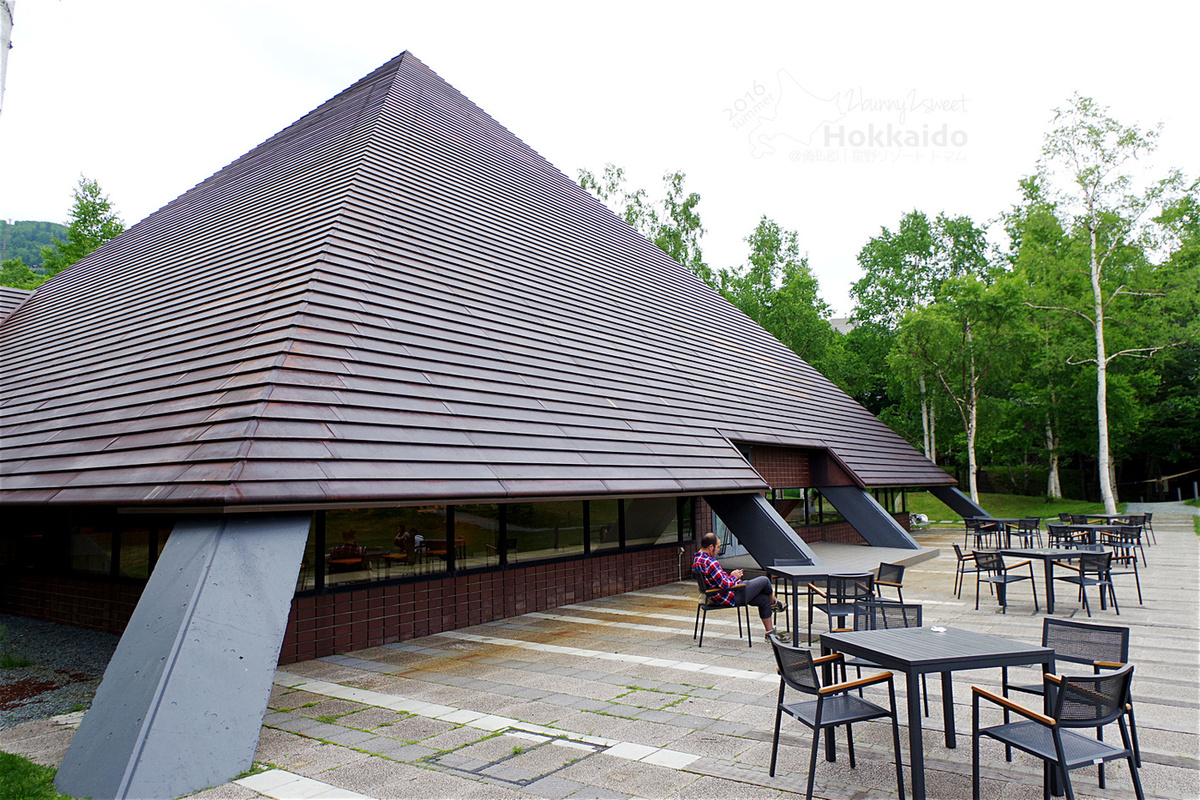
[
  {"x": 1029, "y": 524},
  {"x": 970, "y": 523},
  {"x": 987, "y": 526},
  {"x": 1083, "y": 642},
  {"x": 796, "y": 667},
  {"x": 958, "y": 553},
  {"x": 1064, "y": 517},
  {"x": 892, "y": 573},
  {"x": 1088, "y": 701},
  {"x": 850, "y": 587},
  {"x": 1096, "y": 562},
  {"x": 1078, "y": 519},
  {"x": 701, "y": 584},
  {"x": 988, "y": 561},
  {"x": 878, "y": 614}
]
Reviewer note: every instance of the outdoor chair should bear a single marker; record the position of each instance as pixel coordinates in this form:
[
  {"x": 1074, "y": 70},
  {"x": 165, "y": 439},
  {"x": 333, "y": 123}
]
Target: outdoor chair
[
  {"x": 838, "y": 597},
  {"x": 1124, "y": 544},
  {"x": 1028, "y": 529},
  {"x": 1063, "y": 535},
  {"x": 830, "y": 707},
  {"x": 1093, "y": 569},
  {"x": 1135, "y": 526},
  {"x": 1064, "y": 518},
  {"x": 969, "y": 526},
  {"x": 992, "y": 570},
  {"x": 1149, "y": 527},
  {"x": 782, "y": 588},
  {"x": 1078, "y": 701},
  {"x": 1102, "y": 647},
  {"x": 892, "y": 577},
  {"x": 877, "y": 614},
  {"x": 965, "y": 566},
  {"x": 988, "y": 535},
  {"x": 705, "y": 604}
]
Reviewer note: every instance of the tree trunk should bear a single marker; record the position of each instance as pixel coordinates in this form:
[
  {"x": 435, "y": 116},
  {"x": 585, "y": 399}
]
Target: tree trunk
[
  {"x": 925, "y": 417},
  {"x": 1054, "y": 479},
  {"x": 972, "y": 399},
  {"x": 1108, "y": 493}
]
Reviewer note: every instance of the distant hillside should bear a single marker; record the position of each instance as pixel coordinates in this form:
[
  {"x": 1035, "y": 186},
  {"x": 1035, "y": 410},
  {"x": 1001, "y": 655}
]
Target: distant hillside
[{"x": 24, "y": 239}]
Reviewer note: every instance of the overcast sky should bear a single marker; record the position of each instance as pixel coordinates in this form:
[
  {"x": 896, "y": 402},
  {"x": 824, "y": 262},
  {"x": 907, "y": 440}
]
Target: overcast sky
[{"x": 833, "y": 119}]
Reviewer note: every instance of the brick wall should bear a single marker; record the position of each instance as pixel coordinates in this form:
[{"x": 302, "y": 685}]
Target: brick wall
[
  {"x": 782, "y": 466},
  {"x": 98, "y": 605}
]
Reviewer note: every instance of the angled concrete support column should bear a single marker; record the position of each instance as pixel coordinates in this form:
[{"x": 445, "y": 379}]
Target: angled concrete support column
[
  {"x": 182, "y": 700},
  {"x": 871, "y": 520},
  {"x": 958, "y": 502},
  {"x": 758, "y": 526}
]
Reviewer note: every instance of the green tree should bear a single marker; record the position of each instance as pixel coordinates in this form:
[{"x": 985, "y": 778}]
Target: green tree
[
  {"x": 905, "y": 270},
  {"x": 93, "y": 222},
  {"x": 776, "y": 289},
  {"x": 962, "y": 341},
  {"x": 14, "y": 273},
  {"x": 1088, "y": 159},
  {"x": 672, "y": 224}
]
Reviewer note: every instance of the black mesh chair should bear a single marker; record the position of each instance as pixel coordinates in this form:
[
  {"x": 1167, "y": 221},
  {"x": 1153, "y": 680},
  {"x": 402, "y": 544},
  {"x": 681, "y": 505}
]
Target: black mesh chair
[
  {"x": 1026, "y": 531},
  {"x": 837, "y": 598},
  {"x": 1149, "y": 527},
  {"x": 1100, "y": 647},
  {"x": 1077, "y": 701},
  {"x": 1092, "y": 569},
  {"x": 988, "y": 535},
  {"x": 828, "y": 707},
  {"x": 966, "y": 566},
  {"x": 879, "y": 614},
  {"x": 705, "y": 604},
  {"x": 1063, "y": 535},
  {"x": 890, "y": 576},
  {"x": 992, "y": 570},
  {"x": 1124, "y": 544}
]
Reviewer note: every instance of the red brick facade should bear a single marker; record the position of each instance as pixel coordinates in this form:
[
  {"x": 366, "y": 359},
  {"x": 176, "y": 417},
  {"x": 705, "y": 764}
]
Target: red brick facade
[
  {"x": 783, "y": 467},
  {"x": 321, "y": 625}
]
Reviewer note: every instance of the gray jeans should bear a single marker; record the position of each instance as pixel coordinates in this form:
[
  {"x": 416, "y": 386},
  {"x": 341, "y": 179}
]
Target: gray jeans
[{"x": 758, "y": 593}]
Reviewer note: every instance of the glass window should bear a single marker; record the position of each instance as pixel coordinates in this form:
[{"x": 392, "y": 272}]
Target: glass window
[
  {"x": 476, "y": 537},
  {"x": 91, "y": 551},
  {"x": 543, "y": 530},
  {"x": 651, "y": 520},
  {"x": 604, "y": 518},
  {"x": 134, "y": 560}
]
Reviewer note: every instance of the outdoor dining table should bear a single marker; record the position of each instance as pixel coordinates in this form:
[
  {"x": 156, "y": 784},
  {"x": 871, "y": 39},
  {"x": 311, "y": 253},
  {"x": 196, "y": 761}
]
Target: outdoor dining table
[
  {"x": 1049, "y": 555},
  {"x": 919, "y": 651},
  {"x": 796, "y": 575},
  {"x": 1094, "y": 529}
]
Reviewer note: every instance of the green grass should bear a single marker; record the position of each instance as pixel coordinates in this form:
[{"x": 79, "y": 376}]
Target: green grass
[
  {"x": 21, "y": 778},
  {"x": 1002, "y": 505}
]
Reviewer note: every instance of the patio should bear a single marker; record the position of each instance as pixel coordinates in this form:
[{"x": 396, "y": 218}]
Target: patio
[{"x": 612, "y": 699}]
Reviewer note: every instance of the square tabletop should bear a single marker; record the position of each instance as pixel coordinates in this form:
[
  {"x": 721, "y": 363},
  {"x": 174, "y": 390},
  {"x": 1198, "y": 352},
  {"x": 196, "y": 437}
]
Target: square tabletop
[{"x": 922, "y": 650}]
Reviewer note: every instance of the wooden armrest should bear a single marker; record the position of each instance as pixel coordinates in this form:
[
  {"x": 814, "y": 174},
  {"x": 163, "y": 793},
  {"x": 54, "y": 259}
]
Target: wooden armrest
[
  {"x": 888, "y": 583},
  {"x": 827, "y": 659},
  {"x": 813, "y": 589},
  {"x": 719, "y": 590},
  {"x": 1050, "y": 676},
  {"x": 1018, "y": 564},
  {"x": 1107, "y": 664},
  {"x": 1014, "y": 707},
  {"x": 1071, "y": 567},
  {"x": 848, "y": 685}
]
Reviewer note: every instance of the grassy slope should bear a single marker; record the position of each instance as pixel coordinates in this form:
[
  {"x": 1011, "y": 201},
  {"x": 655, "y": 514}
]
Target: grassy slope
[
  {"x": 21, "y": 778},
  {"x": 1002, "y": 505}
]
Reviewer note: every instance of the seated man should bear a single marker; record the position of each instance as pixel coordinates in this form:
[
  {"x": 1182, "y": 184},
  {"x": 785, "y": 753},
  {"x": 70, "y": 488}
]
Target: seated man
[{"x": 758, "y": 591}]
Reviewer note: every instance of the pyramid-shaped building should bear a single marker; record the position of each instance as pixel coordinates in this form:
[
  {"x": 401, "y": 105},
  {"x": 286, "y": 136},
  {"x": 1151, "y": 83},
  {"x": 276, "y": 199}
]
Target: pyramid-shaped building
[{"x": 391, "y": 310}]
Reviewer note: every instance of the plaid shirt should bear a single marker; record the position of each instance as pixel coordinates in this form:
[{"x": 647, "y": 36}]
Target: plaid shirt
[{"x": 715, "y": 578}]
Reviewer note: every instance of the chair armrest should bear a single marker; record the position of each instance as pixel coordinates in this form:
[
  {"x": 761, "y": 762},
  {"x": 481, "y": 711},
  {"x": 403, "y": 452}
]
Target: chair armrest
[
  {"x": 847, "y": 686},
  {"x": 827, "y": 659},
  {"x": 814, "y": 589},
  {"x": 888, "y": 583},
  {"x": 1099, "y": 665},
  {"x": 1011, "y": 706},
  {"x": 1018, "y": 564},
  {"x": 719, "y": 590}
]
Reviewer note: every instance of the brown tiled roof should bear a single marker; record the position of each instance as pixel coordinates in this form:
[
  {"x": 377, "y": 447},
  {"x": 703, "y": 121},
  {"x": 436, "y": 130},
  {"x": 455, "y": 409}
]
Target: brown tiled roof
[
  {"x": 10, "y": 298},
  {"x": 394, "y": 299}
]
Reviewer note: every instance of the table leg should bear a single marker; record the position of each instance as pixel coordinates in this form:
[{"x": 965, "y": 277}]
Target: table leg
[
  {"x": 916, "y": 748},
  {"x": 796, "y": 612},
  {"x": 1049, "y": 562},
  {"x": 948, "y": 709},
  {"x": 829, "y": 677}
]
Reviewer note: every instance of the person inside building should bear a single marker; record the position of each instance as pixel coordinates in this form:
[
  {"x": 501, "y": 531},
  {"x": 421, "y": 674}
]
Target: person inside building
[{"x": 757, "y": 591}]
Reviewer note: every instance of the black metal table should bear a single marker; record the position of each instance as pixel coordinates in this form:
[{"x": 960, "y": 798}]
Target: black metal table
[
  {"x": 919, "y": 651},
  {"x": 794, "y": 575},
  {"x": 1048, "y": 555}
]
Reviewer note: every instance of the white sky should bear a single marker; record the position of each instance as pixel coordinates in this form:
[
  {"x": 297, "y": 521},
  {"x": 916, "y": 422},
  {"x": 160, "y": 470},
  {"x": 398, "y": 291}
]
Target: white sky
[{"x": 780, "y": 109}]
